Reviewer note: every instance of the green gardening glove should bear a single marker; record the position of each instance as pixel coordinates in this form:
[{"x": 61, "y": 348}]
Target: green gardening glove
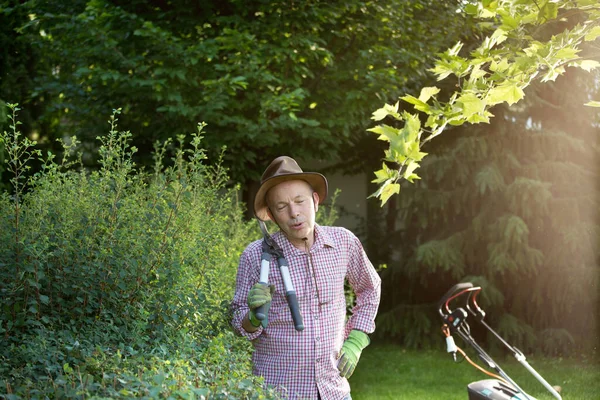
[
  {"x": 259, "y": 295},
  {"x": 350, "y": 352}
]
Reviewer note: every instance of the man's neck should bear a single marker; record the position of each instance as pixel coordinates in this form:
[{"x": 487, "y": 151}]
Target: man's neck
[{"x": 304, "y": 244}]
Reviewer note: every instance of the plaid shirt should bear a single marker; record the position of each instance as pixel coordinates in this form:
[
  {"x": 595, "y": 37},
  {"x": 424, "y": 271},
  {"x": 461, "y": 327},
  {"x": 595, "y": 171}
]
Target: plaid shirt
[{"x": 300, "y": 363}]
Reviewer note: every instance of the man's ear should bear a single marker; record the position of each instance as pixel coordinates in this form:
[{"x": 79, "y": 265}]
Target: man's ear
[
  {"x": 316, "y": 201},
  {"x": 270, "y": 214}
]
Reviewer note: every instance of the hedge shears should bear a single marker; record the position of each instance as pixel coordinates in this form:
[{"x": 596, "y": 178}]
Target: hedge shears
[{"x": 271, "y": 249}]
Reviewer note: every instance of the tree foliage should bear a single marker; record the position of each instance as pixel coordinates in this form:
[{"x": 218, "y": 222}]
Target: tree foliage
[
  {"x": 269, "y": 77},
  {"x": 523, "y": 47},
  {"x": 511, "y": 206}
]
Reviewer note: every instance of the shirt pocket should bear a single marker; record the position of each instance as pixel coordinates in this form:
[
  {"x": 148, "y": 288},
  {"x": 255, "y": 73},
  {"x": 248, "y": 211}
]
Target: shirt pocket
[
  {"x": 278, "y": 299},
  {"x": 279, "y": 314},
  {"x": 331, "y": 284},
  {"x": 301, "y": 282},
  {"x": 280, "y": 309}
]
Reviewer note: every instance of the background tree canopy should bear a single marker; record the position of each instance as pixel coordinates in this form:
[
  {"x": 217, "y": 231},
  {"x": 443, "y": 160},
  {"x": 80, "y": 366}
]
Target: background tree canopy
[{"x": 268, "y": 77}]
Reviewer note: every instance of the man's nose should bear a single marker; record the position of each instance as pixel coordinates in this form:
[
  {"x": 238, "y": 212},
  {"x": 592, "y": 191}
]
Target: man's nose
[{"x": 294, "y": 210}]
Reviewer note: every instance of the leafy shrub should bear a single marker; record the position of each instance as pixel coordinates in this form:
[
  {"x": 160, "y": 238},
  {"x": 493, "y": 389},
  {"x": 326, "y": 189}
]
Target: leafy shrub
[{"x": 116, "y": 282}]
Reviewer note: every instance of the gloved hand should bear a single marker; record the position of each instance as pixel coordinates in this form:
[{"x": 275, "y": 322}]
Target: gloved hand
[
  {"x": 259, "y": 294},
  {"x": 350, "y": 352}
]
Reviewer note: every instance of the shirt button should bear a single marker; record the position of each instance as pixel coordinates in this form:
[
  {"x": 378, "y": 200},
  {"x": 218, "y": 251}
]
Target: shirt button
[
  {"x": 317, "y": 339},
  {"x": 316, "y": 317}
]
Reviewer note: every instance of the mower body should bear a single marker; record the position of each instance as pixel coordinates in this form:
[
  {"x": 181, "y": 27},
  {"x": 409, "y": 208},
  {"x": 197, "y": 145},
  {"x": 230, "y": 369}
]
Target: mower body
[{"x": 493, "y": 389}]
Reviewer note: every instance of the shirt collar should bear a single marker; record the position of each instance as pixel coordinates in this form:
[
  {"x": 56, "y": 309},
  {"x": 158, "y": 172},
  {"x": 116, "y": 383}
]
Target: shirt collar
[{"x": 322, "y": 238}]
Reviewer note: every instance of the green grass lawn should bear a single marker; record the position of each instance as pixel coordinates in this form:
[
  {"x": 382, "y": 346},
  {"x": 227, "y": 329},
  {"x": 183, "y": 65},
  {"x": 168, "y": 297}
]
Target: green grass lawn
[{"x": 391, "y": 372}]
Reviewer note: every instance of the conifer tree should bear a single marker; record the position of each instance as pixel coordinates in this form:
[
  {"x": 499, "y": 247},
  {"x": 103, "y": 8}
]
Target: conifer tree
[{"x": 512, "y": 207}]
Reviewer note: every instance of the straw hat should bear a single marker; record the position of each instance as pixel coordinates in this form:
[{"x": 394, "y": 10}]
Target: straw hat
[{"x": 280, "y": 170}]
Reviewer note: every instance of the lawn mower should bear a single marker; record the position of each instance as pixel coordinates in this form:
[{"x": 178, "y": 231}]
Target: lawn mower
[{"x": 501, "y": 387}]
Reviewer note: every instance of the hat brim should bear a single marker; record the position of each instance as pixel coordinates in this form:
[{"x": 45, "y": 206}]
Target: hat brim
[{"x": 314, "y": 179}]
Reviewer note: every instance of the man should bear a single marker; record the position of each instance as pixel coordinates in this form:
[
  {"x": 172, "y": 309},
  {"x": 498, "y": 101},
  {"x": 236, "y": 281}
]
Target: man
[{"x": 314, "y": 363}]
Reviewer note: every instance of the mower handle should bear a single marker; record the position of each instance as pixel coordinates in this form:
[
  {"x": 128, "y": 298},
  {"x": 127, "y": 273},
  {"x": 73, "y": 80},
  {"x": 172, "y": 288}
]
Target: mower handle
[{"x": 454, "y": 289}]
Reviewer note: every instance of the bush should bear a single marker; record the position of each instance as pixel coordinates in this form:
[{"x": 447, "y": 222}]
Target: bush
[{"x": 116, "y": 282}]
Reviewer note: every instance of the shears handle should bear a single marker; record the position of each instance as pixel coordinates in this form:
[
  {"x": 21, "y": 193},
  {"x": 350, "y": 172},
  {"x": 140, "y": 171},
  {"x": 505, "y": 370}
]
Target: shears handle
[
  {"x": 290, "y": 294},
  {"x": 265, "y": 262}
]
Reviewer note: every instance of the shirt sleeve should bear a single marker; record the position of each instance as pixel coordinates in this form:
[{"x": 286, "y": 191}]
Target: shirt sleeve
[
  {"x": 247, "y": 275},
  {"x": 366, "y": 284}
]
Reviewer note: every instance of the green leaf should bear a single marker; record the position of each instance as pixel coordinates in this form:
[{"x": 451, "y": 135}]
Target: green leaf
[
  {"x": 432, "y": 122},
  {"x": 415, "y": 153},
  {"x": 412, "y": 178},
  {"x": 386, "y": 110},
  {"x": 67, "y": 368},
  {"x": 471, "y": 104},
  {"x": 379, "y": 114},
  {"x": 477, "y": 73},
  {"x": 471, "y": 9},
  {"x": 388, "y": 188},
  {"x": 441, "y": 70},
  {"x": 509, "y": 22},
  {"x": 552, "y": 74},
  {"x": 410, "y": 168},
  {"x": 499, "y": 35},
  {"x": 159, "y": 378},
  {"x": 412, "y": 127},
  {"x": 419, "y": 104},
  {"x": 587, "y": 65},
  {"x": 385, "y": 132},
  {"x": 507, "y": 92},
  {"x": 381, "y": 176},
  {"x": 201, "y": 392},
  {"x": 454, "y": 51},
  {"x": 592, "y": 34},
  {"x": 548, "y": 12},
  {"x": 485, "y": 13},
  {"x": 567, "y": 53},
  {"x": 499, "y": 66},
  {"x": 384, "y": 174},
  {"x": 427, "y": 92},
  {"x": 478, "y": 118},
  {"x": 388, "y": 191}
]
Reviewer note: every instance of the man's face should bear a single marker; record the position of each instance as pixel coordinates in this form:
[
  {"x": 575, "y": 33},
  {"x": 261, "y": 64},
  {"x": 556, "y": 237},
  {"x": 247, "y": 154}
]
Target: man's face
[{"x": 293, "y": 205}]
